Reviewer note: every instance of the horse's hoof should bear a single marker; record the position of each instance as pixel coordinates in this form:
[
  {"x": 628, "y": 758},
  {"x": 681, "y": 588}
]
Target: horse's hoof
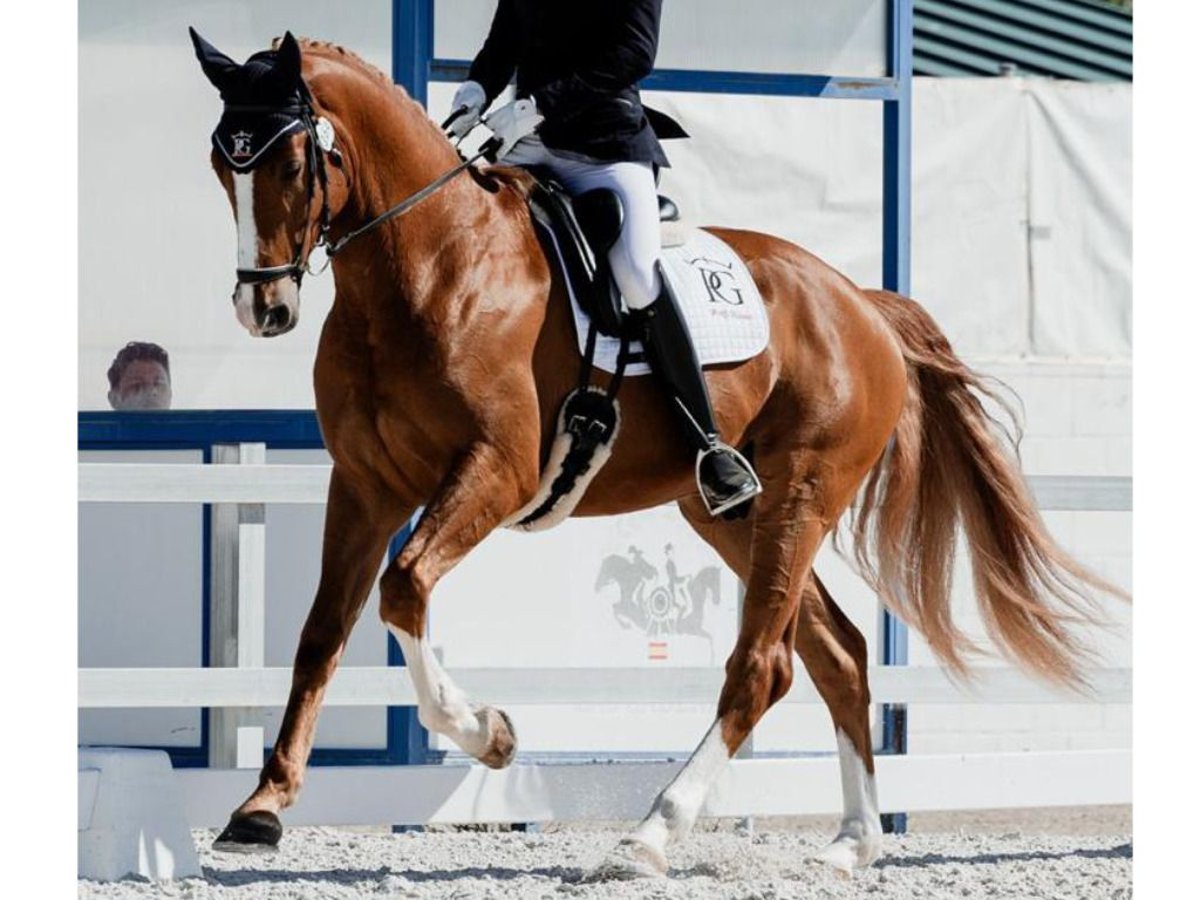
[
  {"x": 255, "y": 832},
  {"x": 847, "y": 852},
  {"x": 502, "y": 739},
  {"x": 630, "y": 859}
]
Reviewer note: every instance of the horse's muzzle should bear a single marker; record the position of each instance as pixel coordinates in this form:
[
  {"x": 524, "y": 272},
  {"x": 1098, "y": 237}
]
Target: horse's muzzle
[{"x": 268, "y": 310}]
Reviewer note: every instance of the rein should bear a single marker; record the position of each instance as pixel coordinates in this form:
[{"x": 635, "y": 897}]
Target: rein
[
  {"x": 318, "y": 173},
  {"x": 408, "y": 203}
]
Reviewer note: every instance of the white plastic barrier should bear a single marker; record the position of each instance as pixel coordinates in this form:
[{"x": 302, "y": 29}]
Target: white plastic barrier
[
  {"x": 131, "y": 816},
  {"x": 428, "y": 794}
]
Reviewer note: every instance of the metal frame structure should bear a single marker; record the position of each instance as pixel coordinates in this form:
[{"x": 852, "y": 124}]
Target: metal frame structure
[{"x": 414, "y": 66}]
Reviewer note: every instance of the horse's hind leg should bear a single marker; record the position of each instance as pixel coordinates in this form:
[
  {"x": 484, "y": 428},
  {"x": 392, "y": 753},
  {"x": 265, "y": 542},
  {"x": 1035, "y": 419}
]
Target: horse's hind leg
[
  {"x": 788, "y": 527},
  {"x": 835, "y": 654}
]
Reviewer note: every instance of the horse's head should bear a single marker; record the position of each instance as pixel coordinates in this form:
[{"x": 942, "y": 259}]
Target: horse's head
[{"x": 270, "y": 152}]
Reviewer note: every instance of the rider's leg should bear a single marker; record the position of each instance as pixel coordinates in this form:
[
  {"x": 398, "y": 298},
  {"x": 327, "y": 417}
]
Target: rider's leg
[{"x": 726, "y": 479}]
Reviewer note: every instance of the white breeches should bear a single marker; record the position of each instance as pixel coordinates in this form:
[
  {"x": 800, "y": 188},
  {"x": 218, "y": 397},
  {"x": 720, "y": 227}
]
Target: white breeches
[{"x": 636, "y": 251}]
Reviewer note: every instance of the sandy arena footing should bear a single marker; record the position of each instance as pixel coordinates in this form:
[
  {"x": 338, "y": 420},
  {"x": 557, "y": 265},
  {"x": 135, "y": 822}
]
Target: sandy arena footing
[{"x": 972, "y": 855}]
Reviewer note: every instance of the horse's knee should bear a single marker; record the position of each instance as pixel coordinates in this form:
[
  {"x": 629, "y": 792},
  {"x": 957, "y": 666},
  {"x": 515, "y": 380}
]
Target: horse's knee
[{"x": 402, "y": 597}]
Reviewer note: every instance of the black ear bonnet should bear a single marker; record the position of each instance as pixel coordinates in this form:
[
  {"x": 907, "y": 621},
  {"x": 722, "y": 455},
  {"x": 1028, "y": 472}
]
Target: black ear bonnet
[{"x": 265, "y": 99}]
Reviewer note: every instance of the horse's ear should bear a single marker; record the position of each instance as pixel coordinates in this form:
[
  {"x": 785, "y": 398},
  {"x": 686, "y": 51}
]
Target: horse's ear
[
  {"x": 287, "y": 62},
  {"x": 216, "y": 65}
]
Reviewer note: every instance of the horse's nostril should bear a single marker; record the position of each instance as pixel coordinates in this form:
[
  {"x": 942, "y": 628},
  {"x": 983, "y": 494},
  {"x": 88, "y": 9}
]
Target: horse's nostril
[{"x": 277, "y": 317}]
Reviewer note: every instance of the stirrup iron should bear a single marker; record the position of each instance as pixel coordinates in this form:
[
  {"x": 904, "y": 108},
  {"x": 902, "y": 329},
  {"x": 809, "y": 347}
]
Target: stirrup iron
[{"x": 738, "y": 499}]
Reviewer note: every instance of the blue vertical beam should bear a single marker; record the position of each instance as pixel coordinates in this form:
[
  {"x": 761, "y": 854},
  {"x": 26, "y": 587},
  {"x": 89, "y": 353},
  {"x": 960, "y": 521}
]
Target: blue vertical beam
[
  {"x": 407, "y": 739},
  {"x": 412, "y": 50},
  {"x": 412, "y": 46},
  {"x": 897, "y": 272}
]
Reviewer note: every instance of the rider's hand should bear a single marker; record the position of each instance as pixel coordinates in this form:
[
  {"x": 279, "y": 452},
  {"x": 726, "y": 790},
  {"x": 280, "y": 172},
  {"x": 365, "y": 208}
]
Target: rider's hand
[
  {"x": 470, "y": 94},
  {"x": 514, "y": 121}
]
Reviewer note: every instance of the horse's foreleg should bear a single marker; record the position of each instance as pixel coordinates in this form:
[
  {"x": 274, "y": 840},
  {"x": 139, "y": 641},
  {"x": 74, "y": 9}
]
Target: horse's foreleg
[
  {"x": 481, "y": 493},
  {"x": 786, "y": 534},
  {"x": 356, "y": 536},
  {"x": 835, "y": 654}
]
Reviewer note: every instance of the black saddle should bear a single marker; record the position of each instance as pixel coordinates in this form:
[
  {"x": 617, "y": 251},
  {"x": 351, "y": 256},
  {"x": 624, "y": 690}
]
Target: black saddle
[{"x": 585, "y": 228}]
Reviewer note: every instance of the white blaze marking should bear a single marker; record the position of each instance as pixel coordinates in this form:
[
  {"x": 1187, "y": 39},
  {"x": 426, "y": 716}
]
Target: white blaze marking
[
  {"x": 676, "y": 808},
  {"x": 247, "y": 235},
  {"x": 442, "y": 707}
]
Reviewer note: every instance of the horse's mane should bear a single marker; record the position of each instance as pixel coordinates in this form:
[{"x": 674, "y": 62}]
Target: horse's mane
[
  {"x": 338, "y": 53},
  {"x": 491, "y": 178}
]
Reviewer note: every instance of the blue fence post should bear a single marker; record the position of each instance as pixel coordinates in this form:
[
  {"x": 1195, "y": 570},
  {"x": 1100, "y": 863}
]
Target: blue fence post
[
  {"x": 407, "y": 739},
  {"x": 412, "y": 51},
  {"x": 897, "y": 255},
  {"x": 412, "y": 46}
]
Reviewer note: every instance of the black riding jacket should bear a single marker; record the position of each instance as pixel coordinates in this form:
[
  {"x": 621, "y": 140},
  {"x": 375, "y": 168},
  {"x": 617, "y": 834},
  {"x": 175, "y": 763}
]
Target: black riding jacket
[{"x": 581, "y": 61}]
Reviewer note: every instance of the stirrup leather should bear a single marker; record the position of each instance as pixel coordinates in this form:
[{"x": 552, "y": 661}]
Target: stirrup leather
[{"x": 737, "y": 499}]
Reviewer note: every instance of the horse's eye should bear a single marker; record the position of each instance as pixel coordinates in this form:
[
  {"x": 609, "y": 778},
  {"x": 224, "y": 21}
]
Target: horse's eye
[{"x": 292, "y": 170}]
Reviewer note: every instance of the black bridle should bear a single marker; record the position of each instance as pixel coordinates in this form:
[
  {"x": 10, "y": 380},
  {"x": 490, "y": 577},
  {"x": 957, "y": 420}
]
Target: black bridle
[{"x": 318, "y": 174}]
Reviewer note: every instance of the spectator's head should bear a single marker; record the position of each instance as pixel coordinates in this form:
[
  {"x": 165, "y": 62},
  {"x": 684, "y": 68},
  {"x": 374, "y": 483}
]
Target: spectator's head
[{"x": 140, "y": 377}]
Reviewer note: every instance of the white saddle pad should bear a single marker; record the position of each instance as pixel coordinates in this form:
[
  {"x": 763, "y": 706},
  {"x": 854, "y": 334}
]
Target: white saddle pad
[{"x": 721, "y": 303}]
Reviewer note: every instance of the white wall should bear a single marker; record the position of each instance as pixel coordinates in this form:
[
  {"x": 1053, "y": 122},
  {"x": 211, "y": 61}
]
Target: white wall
[{"x": 1020, "y": 249}]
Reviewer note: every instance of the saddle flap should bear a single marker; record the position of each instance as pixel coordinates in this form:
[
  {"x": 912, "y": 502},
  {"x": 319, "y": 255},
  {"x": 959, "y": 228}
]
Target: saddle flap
[
  {"x": 583, "y": 250},
  {"x": 601, "y": 217}
]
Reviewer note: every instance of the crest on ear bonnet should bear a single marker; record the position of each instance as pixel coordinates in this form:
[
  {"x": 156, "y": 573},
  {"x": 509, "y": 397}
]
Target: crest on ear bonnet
[{"x": 265, "y": 98}]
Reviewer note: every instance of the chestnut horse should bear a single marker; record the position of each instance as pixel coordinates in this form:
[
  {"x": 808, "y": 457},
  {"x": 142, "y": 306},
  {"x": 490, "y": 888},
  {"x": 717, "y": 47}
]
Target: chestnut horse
[{"x": 438, "y": 378}]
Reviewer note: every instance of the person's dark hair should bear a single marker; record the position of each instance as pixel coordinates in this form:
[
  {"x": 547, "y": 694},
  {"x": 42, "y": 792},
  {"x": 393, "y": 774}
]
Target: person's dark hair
[{"x": 132, "y": 352}]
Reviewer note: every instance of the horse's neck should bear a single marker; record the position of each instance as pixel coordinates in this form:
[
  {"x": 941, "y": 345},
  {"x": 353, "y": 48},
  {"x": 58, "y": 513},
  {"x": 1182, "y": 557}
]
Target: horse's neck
[{"x": 396, "y": 155}]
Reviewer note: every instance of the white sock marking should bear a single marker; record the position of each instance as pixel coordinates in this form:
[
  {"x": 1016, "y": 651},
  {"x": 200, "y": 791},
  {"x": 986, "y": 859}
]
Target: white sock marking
[
  {"x": 676, "y": 808},
  {"x": 858, "y": 785},
  {"x": 860, "y": 838},
  {"x": 442, "y": 707}
]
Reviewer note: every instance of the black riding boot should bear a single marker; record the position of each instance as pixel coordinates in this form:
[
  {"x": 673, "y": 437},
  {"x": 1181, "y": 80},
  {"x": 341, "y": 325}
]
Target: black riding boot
[{"x": 726, "y": 479}]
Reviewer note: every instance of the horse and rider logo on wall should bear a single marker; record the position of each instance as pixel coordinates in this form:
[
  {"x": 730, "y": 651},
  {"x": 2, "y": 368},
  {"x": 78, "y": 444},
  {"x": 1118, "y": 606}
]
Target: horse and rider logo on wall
[{"x": 659, "y": 606}]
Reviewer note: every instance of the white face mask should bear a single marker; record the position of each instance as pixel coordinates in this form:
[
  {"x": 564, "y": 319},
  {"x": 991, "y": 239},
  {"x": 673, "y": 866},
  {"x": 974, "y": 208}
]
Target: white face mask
[{"x": 144, "y": 398}]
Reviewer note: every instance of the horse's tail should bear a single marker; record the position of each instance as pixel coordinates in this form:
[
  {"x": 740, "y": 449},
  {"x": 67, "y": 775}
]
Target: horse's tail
[{"x": 949, "y": 462}]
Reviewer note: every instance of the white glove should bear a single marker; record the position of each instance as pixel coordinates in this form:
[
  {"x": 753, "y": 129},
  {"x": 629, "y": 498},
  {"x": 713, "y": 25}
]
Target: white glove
[
  {"x": 512, "y": 122},
  {"x": 471, "y": 95}
]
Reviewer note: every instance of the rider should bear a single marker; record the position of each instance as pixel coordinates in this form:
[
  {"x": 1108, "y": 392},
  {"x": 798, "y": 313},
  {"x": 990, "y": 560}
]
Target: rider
[{"x": 577, "y": 66}]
